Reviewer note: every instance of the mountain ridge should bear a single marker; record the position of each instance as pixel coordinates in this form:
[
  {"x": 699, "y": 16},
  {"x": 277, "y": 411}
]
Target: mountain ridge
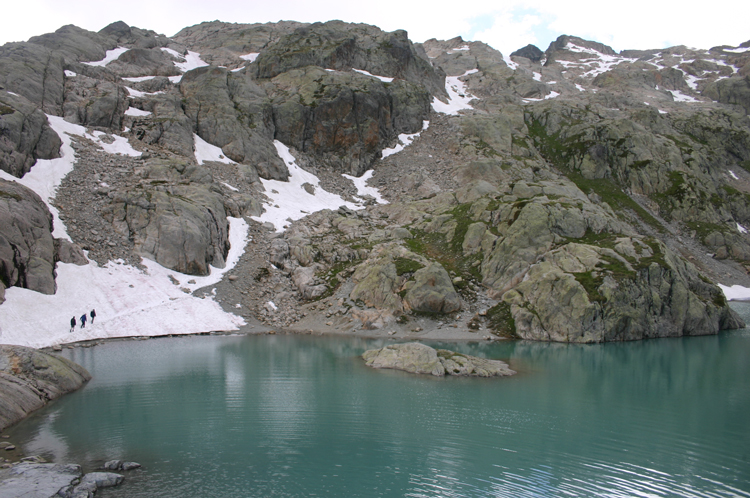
[{"x": 549, "y": 193}]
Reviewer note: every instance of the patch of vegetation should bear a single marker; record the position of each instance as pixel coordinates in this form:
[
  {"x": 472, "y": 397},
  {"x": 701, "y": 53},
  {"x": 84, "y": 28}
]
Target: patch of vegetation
[
  {"x": 331, "y": 278},
  {"x": 261, "y": 274},
  {"x": 434, "y": 246},
  {"x": 704, "y": 229},
  {"x": 485, "y": 149},
  {"x": 641, "y": 164},
  {"x": 566, "y": 153},
  {"x": 501, "y": 321},
  {"x": 4, "y": 109},
  {"x": 591, "y": 281},
  {"x": 406, "y": 265},
  {"x": 449, "y": 355}
]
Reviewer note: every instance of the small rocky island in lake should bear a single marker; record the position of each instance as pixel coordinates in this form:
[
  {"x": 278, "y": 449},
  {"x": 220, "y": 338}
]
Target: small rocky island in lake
[{"x": 419, "y": 358}]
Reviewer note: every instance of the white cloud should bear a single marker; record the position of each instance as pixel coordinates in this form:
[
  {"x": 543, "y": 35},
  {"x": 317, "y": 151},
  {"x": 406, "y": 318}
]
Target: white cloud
[{"x": 638, "y": 24}]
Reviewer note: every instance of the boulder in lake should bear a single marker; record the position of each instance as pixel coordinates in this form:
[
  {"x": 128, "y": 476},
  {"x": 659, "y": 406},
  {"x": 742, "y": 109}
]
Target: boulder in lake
[{"x": 419, "y": 358}]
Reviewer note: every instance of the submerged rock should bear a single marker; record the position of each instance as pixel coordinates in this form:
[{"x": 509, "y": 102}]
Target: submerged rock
[{"x": 419, "y": 358}]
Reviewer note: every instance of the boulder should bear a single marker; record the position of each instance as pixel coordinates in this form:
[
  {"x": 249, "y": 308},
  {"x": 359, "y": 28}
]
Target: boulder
[
  {"x": 433, "y": 291},
  {"x": 45, "y": 479},
  {"x": 413, "y": 357},
  {"x": 419, "y": 358},
  {"x": 30, "y": 378}
]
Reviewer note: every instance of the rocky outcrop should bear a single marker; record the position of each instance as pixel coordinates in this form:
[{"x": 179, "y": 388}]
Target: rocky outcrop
[
  {"x": 231, "y": 111},
  {"x": 531, "y": 52},
  {"x": 366, "y": 114},
  {"x": 419, "y": 358},
  {"x": 27, "y": 249},
  {"x": 183, "y": 226},
  {"x": 731, "y": 91},
  {"x": 341, "y": 46},
  {"x": 25, "y": 135},
  {"x": 37, "y": 479},
  {"x": 432, "y": 291},
  {"x": 637, "y": 290},
  {"x": 30, "y": 378}
]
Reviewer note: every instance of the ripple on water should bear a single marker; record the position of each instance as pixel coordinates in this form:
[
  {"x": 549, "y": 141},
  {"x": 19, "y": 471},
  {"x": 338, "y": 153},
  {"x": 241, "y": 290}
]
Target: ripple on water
[{"x": 290, "y": 416}]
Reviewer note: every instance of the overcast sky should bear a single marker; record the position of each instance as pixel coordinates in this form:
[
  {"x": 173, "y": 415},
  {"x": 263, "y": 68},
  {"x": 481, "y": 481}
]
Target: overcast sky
[{"x": 504, "y": 24}]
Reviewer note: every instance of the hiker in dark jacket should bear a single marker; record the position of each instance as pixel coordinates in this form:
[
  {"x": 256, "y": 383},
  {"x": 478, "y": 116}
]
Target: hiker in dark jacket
[
  {"x": 72, "y": 324},
  {"x": 83, "y": 320},
  {"x": 93, "y": 315}
]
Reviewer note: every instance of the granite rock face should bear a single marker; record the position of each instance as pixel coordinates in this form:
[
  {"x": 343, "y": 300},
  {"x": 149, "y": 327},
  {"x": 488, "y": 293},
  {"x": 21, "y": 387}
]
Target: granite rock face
[
  {"x": 419, "y": 358},
  {"x": 27, "y": 248},
  {"x": 30, "y": 378},
  {"x": 184, "y": 228},
  {"x": 25, "y": 135}
]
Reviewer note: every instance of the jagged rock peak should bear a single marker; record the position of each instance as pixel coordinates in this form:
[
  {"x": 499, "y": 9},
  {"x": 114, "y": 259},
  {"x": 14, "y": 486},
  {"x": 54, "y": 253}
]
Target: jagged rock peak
[{"x": 531, "y": 52}]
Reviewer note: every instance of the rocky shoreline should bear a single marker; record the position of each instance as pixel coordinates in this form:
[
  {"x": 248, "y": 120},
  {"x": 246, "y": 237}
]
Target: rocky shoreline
[{"x": 33, "y": 477}]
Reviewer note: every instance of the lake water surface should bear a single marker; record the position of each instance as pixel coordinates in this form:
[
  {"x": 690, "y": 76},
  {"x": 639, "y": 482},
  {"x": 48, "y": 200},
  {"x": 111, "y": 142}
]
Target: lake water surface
[{"x": 298, "y": 416}]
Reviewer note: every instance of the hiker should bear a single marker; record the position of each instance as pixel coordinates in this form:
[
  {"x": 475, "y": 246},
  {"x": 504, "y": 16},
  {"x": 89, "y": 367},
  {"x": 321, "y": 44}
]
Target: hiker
[
  {"x": 83, "y": 320},
  {"x": 93, "y": 315},
  {"x": 72, "y": 324}
]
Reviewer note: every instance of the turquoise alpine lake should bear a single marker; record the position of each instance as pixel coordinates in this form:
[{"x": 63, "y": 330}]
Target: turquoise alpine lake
[{"x": 300, "y": 416}]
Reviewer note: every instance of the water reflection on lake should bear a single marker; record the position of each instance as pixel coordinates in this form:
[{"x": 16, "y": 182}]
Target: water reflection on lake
[{"x": 302, "y": 416}]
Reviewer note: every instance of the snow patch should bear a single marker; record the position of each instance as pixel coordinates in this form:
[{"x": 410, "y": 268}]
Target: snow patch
[
  {"x": 137, "y": 93},
  {"x": 731, "y": 173},
  {"x": 384, "y": 79},
  {"x": 204, "y": 151},
  {"x": 132, "y": 111},
  {"x": 70, "y": 74},
  {"x": 458, "y": 96},
  {"x": 289, "y": 200},
  {"x": 580, "y": 88},
  {"x": 738, "y": 50},
  {"x": 139, "y": 79},
  {"x": 735, "y": 292},
  {"x": 128, "y": 302},
  {"x": 404, "y": 139},
  {"x": 537, "y": 76},
  {"x": 234, "y": 189},
  {"x": 741, "y": 229},
  {"x": 120, "y": 145},
  {"x": 550, "y": 95},
  {"x": 597, "y": 64},
  {"x": 250, "y": 57},
  {"x": 111, "y": 55},
  {"x": 363, "y": 189},
  {"x": 175, "y": 79},
  {"x": 681, "y": 97},
  {"x": 191, "y": 61},
  {"x": 510, "y": 63}
]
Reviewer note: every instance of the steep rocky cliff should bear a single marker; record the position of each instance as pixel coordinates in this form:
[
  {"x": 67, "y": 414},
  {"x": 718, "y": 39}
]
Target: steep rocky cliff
[{"x": 573, "y": 194}]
